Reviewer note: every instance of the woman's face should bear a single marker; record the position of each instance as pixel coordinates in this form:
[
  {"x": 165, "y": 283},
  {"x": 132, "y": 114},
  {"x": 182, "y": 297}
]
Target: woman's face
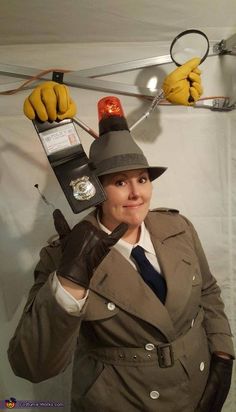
[{"x": 128, "y": 198}]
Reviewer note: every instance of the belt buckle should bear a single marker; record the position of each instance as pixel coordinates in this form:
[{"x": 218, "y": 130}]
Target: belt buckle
[{"x": 165, "y": 355}]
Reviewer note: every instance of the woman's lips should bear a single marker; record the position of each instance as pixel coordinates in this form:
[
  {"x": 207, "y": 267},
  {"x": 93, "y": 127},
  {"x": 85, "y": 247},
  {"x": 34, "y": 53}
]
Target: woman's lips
[{"x": 133, "y": 206}]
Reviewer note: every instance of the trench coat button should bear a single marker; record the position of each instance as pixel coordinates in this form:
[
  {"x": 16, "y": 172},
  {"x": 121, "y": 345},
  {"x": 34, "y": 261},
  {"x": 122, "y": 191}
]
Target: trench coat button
[
  {"x": 154, "y": 394},
  {"x": 194, "y": 277},
  {"x": 149, "y": 346},
  {"x": 192, "y": 323},
  {"x": 202, "y": 366},
  {"x": 111, "y": 306}
]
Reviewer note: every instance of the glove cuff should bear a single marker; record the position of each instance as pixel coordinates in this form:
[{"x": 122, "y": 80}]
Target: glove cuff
[{"x": 219, "y": 359}]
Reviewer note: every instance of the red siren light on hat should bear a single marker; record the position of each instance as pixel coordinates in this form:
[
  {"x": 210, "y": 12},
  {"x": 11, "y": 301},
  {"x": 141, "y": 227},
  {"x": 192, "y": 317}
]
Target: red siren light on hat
[
  {"x": 111, "y": 115},
  {"x": 109, "y": 106}
]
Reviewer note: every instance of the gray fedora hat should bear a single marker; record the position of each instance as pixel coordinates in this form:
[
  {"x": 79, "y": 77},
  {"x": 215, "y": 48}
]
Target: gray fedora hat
[{"x": 115, "y": 150}]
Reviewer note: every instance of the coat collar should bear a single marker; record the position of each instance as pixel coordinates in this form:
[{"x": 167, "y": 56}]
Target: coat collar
[
  {"x": 154, "y": 218},
  {"x": 163, "y": 225}
]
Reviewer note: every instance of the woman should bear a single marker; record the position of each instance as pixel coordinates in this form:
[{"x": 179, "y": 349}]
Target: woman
[{"x": 145, "y": 325}]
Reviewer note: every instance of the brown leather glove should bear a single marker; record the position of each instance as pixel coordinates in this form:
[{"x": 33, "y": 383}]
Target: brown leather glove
[
  {"x": 218, "y": 385},
  {"x": 83, "y": 248},
  {"x": 61, "y": 225}
]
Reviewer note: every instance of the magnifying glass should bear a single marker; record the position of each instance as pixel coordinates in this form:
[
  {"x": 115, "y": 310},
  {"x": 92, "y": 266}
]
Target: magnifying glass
[{"x": 188, "y": 44}]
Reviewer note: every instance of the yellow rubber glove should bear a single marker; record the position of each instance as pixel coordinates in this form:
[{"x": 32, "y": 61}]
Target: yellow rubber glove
[
  {"x": 183, "y": 85},
  {"x": 50, "y": 101}
]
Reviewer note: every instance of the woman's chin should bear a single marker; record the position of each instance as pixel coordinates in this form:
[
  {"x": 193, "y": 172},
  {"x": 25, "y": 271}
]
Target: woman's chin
[
  {"x": 135, "y": 219},
  {"x": 134, "y": 222}
]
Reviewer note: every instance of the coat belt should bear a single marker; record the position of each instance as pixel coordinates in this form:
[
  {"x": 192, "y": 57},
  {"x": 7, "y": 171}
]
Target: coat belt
[{"x": 162, "y": 354}]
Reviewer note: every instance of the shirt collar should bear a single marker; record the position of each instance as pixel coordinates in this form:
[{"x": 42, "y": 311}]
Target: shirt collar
[
  {"x": 145, "y": 240},
  {"x": 125, "y": 248}
]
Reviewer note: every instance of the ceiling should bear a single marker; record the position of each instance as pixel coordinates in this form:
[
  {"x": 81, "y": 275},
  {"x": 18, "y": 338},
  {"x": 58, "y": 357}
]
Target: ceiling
[{"x": 69, "y": 21}]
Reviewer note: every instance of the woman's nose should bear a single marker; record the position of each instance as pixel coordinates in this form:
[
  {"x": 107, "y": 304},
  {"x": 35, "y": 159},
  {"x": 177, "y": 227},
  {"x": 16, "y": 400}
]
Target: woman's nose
[{"x": 134, "y": 191}]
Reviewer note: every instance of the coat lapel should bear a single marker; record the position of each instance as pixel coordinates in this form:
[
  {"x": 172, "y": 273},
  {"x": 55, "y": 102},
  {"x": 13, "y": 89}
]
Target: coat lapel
[{"x": 176, "y": 266}]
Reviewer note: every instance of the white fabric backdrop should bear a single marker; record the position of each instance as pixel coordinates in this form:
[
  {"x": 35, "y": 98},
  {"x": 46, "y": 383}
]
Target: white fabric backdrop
[
  {"x": 69, "y": 21},
  {"x": 197, "y": 145}
]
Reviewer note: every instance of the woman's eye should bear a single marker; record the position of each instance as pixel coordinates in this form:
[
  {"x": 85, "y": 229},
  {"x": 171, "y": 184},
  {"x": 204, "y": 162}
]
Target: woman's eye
[
  {"x": 120, "y": 183},
  {"x": 143, "y": 179}
]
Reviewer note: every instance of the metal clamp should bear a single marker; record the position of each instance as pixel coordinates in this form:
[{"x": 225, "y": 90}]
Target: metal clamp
[
  {"x": 165, "y": 355},
  {"x": 227, "y": 46}
]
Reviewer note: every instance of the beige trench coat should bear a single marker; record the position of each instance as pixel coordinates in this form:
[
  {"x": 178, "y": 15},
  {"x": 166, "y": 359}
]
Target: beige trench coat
[{"x": 131, "y": 353}]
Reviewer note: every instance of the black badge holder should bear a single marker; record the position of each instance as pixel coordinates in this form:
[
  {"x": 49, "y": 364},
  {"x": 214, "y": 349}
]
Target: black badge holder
[{"x": 72, "y": 167}]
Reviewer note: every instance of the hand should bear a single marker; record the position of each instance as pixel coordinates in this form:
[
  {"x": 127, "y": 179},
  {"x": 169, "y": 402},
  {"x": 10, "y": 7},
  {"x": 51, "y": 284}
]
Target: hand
[
  {"x": 49, "y": 101},
  {"x": 84, "y": 249},
  {"x": 218, "y": 385},
  {"x": 183, "y": 85}
]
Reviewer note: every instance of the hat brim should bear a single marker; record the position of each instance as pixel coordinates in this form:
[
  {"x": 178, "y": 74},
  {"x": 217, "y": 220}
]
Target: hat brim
[{"x": 154, "y": 172}]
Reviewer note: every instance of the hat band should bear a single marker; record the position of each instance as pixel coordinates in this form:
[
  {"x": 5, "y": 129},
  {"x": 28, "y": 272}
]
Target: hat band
[{"x": 123, "y": 162}]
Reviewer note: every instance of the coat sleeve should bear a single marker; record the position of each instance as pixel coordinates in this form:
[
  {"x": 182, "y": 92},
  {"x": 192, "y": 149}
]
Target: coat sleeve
[
  {"x": 46, "y": 336},
  {"x": 215, "y": 321}
]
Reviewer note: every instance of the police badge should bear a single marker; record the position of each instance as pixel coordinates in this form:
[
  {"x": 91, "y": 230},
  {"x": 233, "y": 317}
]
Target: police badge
[{"x": 83, "y": 189}]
